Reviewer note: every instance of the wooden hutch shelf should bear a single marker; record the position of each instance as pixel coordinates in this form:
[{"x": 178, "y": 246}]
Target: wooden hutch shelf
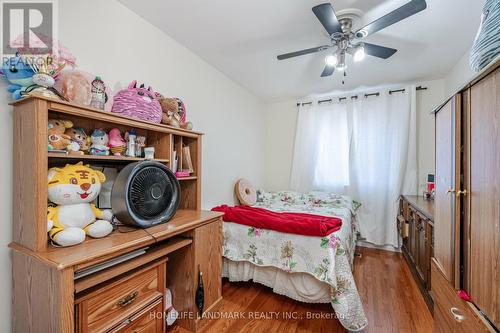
[
  {"x": 187, "y": 178},
  {"x": 171, "y": 254},
  {"x": 101, "y": 158}
]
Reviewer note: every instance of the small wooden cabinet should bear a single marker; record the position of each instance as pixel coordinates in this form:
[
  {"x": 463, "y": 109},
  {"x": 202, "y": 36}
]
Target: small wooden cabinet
[{"x": 415, "y": 225}]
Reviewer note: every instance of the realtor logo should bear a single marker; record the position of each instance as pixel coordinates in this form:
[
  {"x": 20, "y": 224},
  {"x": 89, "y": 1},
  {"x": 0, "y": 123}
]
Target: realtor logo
[{"x": 28, "y": 26}]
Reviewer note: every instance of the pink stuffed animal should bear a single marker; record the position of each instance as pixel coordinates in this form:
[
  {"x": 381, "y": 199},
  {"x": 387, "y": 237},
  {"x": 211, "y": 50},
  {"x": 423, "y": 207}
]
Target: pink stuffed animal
[
  {"x": 137, "y": 102},
  {"x": 116, "y": 143}
]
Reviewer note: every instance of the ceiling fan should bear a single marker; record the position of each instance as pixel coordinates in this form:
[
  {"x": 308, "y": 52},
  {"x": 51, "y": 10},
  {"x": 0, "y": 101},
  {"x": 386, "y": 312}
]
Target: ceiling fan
[{"x": 346, "y": 41}]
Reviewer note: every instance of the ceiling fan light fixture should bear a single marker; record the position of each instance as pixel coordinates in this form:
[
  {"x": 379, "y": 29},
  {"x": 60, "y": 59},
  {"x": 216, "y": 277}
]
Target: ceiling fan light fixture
[
  {"x": 361, "y": 34},
  {"x": 331, "y": 60},
  {"x": 339, "y": 29},
  {"x": 359, "y": 53},
  {"x": 341, "y": 65}
]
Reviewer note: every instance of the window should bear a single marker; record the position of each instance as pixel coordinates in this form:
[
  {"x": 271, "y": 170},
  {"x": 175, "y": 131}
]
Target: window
[{"x": 331, "y": 171}]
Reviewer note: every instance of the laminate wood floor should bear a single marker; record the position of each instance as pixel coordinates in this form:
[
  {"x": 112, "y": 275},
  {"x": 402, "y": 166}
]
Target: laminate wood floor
[{"x": 390, "y": 297}]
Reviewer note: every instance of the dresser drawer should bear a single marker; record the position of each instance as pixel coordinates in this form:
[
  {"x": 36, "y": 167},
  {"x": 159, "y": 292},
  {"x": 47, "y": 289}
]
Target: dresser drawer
[
  {"x": 149, "y": 320},
  {"x": 114, "y": 302},
  {"x": 450, "y": 311}
]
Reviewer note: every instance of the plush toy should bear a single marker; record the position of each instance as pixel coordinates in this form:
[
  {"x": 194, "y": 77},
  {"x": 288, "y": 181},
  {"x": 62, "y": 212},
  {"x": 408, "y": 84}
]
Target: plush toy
[
  {"x": 78, "y": 136},
  {"x": 137, "y": 102},
  {"x": 173, "y": 112},
  {"x": 57, "y": 139},
  {"x": 117, "y": 144},
  {"x": 99, "y": 140},
  {"x": 72, "y": 189},
  {"x": 58, "y": 142},
  {"x": 170, "y": 112},
  {"x": 76, "y": 86},
  {"x": 19, "y": 75}
]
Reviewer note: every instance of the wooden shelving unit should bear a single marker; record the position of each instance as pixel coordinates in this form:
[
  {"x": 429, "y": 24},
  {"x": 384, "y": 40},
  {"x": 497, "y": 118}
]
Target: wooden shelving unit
[
  {"x": 30, "y": 174},
  {"x": 174, "y": 252}
]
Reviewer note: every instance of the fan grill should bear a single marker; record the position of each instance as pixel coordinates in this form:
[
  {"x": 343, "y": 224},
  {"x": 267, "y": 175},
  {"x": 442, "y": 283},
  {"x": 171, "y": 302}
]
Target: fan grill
[{"x": 151, "y": 192}]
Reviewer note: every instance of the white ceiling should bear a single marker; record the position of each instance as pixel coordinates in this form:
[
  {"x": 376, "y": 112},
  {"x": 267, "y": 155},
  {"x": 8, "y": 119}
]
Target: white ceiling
[{"x": 242, "y": 39}]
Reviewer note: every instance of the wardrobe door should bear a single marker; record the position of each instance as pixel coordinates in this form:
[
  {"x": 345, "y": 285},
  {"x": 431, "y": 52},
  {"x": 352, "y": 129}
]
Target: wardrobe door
[
  {"x": 484, "y": 284},
  {"x": 446, "y": 171}
]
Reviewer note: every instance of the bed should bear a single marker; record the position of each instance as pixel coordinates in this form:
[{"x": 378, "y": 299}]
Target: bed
[{"x": 305, "y": 268}]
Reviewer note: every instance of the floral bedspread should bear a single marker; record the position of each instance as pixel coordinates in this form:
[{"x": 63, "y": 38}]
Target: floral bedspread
[{"x": 328, "y": 259}]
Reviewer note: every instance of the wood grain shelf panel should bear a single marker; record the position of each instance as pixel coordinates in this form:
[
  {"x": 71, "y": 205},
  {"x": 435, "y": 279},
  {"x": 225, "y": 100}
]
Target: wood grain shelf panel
[
  {"x": 101, "y": 158},
  {"x": 187, "y": 178}
]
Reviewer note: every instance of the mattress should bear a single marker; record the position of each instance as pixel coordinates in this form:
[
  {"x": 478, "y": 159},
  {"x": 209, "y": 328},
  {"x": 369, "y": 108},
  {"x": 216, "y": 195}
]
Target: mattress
[{"x": 304, "y": 268}]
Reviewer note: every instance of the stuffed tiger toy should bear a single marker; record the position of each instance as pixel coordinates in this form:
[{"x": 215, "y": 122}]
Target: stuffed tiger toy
[{"x": 72, "y": 189}]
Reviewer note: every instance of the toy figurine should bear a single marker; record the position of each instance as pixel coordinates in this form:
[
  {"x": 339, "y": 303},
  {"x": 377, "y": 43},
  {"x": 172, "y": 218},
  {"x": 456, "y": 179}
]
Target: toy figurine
[
  {"x": 140, "y": 144},
  {"x": 117, "y": 144},
  {"x": 78, "y": 136},
  {"x": 99, "y": 140},
  {"x": 130, "y": 137},
  {"x": 19, "y": 75}
]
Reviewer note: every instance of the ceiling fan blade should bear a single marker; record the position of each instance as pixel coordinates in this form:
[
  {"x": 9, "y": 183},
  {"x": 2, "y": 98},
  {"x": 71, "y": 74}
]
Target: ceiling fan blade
[
  {"x": 378, "y": 51},
  {"x": 407, "y": 10},
  {"x": 326, "y": 15},
  {"x": 328, "y": 71},
  {"x": 303, "y": 52}
]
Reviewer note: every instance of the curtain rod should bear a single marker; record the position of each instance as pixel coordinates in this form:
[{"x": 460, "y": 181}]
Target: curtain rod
[{"x": 356, "y": 96}]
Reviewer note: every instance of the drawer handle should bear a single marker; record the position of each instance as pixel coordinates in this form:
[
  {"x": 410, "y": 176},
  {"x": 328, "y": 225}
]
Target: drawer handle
[
  {"x": 457, "y": 315},
  {"x": 127, "y": 299}
]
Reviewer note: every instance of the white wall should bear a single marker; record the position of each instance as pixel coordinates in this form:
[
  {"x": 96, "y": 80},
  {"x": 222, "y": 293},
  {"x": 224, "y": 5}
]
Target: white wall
[
  {"x": 6, "y": 147},
  {"x": 110, "y": 40},
  {"x": 427, "y": 101},
  {"x": 281, "y": 121},
  {"x": 458, "y": 76}
]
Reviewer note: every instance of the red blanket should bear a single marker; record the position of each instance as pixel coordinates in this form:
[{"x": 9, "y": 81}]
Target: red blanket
[{"x": 292, "y": 223}]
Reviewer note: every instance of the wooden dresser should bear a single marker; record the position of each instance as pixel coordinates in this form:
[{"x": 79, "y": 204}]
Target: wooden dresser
[
  {"x": 467, "y": 208},
  {"x": 416, "y": 224},
  {"x": 50, "y": 294}
]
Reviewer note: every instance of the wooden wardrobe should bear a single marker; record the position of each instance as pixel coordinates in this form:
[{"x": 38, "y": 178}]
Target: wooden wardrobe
[{"x": 467, "y": 208}]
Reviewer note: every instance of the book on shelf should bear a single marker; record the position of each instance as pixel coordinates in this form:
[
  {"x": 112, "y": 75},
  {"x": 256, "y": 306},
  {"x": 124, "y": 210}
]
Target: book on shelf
[
  {"x": 175, "y": 161},
  {"x": 187, "y": 164}
]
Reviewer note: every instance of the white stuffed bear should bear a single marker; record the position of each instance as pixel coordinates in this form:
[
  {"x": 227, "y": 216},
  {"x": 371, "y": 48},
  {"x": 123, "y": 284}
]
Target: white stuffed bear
[
  {"x": 100, "y": 140},
  {"x": 72, "y": 189}
]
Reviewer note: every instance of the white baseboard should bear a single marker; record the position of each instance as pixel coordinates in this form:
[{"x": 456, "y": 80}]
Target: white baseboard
[{"x": 379, "y": 247}]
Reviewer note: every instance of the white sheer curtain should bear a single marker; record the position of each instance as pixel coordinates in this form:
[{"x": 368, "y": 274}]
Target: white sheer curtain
[
  {"x": 321, "y": 152},
  {"x": 365, "y": 148}
]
